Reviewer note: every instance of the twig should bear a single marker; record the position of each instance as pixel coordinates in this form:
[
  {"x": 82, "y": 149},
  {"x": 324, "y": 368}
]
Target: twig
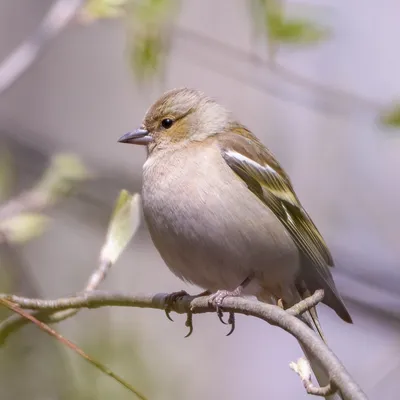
[
  {"x": 128, "y": 213},
  {"x": 31, "y": 200},
  {"x": 307, "y": 303},
  {"x": 18, "y": 62},
  {"x": 98, "y": 275},
  {"x": 71, "y": 345},
  {"x": 303, "y": 369},
  {"x": 15, "y": 322},
  {"x": 269, "y": 313},
  {"x": 342, "y": 99}
]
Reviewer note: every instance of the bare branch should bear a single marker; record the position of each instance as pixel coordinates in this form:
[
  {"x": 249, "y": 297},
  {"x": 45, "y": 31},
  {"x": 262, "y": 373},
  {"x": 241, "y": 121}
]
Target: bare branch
[
  {"x": 303, "y": 369},
  {"x": 18, "y": 62},
  {"x": 123, "y": 225},
  {"x": 269, "y": 313},
  {"x": 71, "y": 345},
  {"x": 93, "y": 283},
  {"x": 307, "y": 303}
]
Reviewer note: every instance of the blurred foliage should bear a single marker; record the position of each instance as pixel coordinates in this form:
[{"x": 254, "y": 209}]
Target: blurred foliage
[
  {"x": 121, "y": 353},
  {"x": 61, "y": 177},
  {"x": 150, "y": 22},
  {"x": 20, "y": 217},
  {"x": 149, "y": 29},
  {"x": 94, "y": 10},
  {"x": 391, "y": 117},
  {"x": 150, "y": 34},
  {"x": 272, "y": 17},
  {"x": 124, "y": 222},
  {"x": 23, "y": 227}
]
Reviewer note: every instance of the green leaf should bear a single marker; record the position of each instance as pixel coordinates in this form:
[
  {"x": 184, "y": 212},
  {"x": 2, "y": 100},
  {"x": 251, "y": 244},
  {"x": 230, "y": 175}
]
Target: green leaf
[
  {"x": 149, "y": 34},
  {"x": 391, "y": 117},
  {"x": 95, "y": 10},
  {"x": 284, "y": 29},
  {"x": 24, "y": 227},
  {"x": 124, "y": 222},
  {"x": 294, "y": 31},
  {"x": 147, "y": 57}
]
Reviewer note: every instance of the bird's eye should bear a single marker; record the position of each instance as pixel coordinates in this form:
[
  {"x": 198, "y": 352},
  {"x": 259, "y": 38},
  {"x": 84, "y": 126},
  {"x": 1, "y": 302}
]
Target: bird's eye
[{"x": 167, "y": 123}]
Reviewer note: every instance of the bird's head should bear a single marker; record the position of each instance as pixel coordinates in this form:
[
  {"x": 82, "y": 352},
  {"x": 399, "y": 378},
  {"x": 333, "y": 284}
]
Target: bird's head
[{"x": 178, "y": 117}]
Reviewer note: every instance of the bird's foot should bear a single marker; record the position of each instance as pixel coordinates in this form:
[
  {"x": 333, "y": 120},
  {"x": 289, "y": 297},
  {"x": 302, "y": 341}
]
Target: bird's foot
[
  {"x": 216, "y": 301},
  {"x": 172, "y": 298}
]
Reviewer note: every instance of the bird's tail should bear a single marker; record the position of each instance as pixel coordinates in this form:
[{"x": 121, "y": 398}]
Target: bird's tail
[{"x": 311, "y": 319}]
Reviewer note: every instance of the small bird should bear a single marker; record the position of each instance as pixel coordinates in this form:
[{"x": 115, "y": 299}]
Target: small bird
[{"x": 223, "y": 213}]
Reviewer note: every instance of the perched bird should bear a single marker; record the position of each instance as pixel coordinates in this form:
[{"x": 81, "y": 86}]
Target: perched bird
[{"x": 223, "y": 213}]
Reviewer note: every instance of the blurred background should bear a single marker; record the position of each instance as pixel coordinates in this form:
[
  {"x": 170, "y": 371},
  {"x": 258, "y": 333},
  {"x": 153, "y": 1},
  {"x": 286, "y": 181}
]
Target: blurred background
[{"x": 317, "y": 81}]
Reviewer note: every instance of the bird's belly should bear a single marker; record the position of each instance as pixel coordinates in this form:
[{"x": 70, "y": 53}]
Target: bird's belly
[{"x": 218, "y": 233}]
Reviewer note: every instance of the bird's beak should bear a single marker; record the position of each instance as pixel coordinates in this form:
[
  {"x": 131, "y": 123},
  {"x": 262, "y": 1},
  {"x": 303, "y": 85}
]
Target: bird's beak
[{"x": 139, "y": 136}]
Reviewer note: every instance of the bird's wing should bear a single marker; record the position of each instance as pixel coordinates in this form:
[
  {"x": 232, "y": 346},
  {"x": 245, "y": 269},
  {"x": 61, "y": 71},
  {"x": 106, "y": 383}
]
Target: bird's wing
[{"x": 258, "y": 168}]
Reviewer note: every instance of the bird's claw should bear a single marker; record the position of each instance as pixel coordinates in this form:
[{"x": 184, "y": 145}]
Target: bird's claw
[
  {"x": 232, "y": 323},
  {"x": 220, "y": 314},
  {"x": 171, "y": 299},
  {"x": 189, "y": 323},
  {"x": 216, "y": 301}
]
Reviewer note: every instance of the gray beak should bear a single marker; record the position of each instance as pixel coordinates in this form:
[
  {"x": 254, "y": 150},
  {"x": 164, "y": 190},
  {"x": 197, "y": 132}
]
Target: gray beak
[{"x": 139, "y": 136}]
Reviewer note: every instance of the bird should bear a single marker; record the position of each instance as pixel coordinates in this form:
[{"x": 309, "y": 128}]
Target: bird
[{"x": 223, "y": 213}]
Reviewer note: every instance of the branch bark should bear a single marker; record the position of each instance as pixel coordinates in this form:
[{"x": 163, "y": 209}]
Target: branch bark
[{"x": 274, "y": 315}]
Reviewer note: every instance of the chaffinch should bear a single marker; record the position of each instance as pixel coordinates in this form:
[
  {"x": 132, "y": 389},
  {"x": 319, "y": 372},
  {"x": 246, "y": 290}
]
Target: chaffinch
[{"x": 223, "y": 213}]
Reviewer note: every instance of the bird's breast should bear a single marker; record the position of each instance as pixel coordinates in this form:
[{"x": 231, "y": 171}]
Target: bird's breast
[{"x": 209, "y": 228}]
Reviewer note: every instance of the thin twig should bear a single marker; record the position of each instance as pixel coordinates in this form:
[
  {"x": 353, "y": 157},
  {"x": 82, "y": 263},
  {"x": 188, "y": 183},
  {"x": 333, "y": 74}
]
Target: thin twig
[
  {"x": 307, "y": 303},
  {"x": 269, "y": 313},
  {"x": 71, "y": 345},
  {"x": 31, "y": 200},
  {"x": 303, "y": 369},
  {"x": 19, "y": 61},
  {"x": 93, "y": 283},
  {"x": 291, "y": 76},
  {"x": 14, "y": 322}
]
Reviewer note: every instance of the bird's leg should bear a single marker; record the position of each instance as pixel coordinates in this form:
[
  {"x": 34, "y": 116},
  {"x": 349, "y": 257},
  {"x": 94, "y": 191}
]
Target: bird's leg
[
  {"x": 173, "y": 297},
  {"x": 279, "y": 303},
  {"x": 217, "y": 299}
]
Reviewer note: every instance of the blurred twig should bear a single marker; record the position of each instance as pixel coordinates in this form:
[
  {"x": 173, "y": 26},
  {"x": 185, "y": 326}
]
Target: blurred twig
[
  {"x": 274, "y": 315},
  {"x": 18, "y": 62},
  {"x": 64, "y": 171},
  {"x": 123, "y": 225},
  {"x": 289, "y": 76},
  {"x": 71, "y": 345}
]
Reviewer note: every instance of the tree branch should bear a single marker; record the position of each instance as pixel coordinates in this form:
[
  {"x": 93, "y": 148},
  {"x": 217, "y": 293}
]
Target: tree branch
[
  {"x": 303, "y": 369},
  {"x": 72, "y": 346},
  {"x": 274, "y": 315},
  {"x": 18, "y": 62},
  {"x": 307, "y": 303}
]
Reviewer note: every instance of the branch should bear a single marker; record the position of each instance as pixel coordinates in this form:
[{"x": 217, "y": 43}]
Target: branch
[
  {"x": 274, "y": 315},
  {"x": 18, "y": 62},
  {"x": 307, "y": 303},
  {"x": 72, "y": 346},
  {"x": 303, "y": 369},
  {"x": 343, "y": 101},
  {"x": 123, "y": 225}
]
